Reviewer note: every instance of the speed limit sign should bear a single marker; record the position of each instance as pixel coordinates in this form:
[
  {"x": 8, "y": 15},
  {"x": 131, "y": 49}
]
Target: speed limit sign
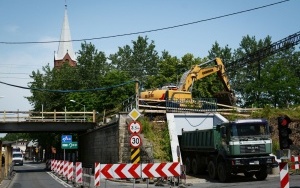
[{"x": 135, "y": 141}]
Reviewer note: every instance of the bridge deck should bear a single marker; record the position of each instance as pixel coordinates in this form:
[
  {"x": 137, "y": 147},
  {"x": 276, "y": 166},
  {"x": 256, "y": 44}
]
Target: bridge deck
[{"x": 28, "y": 121}]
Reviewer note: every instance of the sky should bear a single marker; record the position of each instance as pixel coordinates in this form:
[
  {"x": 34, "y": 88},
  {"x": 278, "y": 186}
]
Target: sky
[{"x": 40, "y": 21}]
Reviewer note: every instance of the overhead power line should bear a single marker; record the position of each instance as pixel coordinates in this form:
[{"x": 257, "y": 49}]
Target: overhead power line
[
  {"x": 70, "y": 91},
  {"x": 148, "y": 31}
]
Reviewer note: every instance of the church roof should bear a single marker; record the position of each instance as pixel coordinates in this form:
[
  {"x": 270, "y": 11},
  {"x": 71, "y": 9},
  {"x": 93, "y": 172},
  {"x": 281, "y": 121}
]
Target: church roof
[{"x": 65, "y": 45}]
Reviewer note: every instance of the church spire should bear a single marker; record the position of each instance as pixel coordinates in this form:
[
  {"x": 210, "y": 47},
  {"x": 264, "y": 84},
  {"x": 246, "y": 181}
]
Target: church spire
[{"x": 65, "y": 52}]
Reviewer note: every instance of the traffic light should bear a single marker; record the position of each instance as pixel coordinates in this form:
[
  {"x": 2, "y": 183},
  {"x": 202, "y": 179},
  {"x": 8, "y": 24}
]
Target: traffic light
[{"x": 284, "y": 132}]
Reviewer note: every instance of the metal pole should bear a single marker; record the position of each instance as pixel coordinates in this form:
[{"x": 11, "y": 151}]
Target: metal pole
[
  {"x": 84, "y": 112},
  {"x": 137, "y": 95},
  {"x": 65, "y": 113}
]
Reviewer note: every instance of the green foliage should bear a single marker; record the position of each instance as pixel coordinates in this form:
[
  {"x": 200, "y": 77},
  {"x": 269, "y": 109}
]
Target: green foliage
[
  {"x": 16, "y": 136},
  {"x": 275, "y": 146},
  {"x": 158, "y": 135}
]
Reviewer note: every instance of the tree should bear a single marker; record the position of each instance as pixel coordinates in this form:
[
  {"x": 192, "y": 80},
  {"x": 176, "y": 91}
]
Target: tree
[
  {"x": 140, "y": 61},
  {"x": 91, "y": 67}
]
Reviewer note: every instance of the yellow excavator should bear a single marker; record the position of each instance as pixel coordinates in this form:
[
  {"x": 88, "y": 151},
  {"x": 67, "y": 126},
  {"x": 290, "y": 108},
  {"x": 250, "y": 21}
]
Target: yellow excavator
[{"x": 183, "y": 91}]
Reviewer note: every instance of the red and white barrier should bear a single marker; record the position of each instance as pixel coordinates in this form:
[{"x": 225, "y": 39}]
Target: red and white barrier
[
  {"x": 65, "y": 168},
  {"x": 152, "y": 170},
  {"x": 58, "y": 166},
  {"x": 120, "y": 171},
  {"x": 52, "y": 164},
  {"x": 78, "y": 172},
  {"x": 284, "y": 175},
  {"x": 70, "y": 171},
  {"x": 295, "y": 162},
  {"x": 97, "y": 174}
]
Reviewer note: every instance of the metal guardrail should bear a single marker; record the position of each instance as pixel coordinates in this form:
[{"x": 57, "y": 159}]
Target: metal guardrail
[
  {"x": 31, "y": 116},
  {"x": 179, "y": 105},
  {"x": 197, "y": 105}
]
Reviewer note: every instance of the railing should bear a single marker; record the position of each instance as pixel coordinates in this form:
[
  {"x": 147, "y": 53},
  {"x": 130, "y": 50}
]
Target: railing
[
  {"x": 199, "y": 105},
  {"x": 180, "y": 105},
  {"x": 31, "y": 116}
]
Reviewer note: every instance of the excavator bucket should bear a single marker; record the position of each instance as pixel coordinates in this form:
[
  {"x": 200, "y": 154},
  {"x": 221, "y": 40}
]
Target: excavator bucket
[{"x": 225, "y": 98}]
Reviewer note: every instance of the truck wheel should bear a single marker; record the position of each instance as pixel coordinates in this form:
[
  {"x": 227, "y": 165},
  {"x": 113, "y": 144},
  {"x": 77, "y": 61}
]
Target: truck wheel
[
  {"x": 262, "y": 174},
  {"x": 211, "y": 168},
  {"x": 222, "y": 172},
  {"x": 187, "y": 165},
  {"x": 195, "y": 167}
]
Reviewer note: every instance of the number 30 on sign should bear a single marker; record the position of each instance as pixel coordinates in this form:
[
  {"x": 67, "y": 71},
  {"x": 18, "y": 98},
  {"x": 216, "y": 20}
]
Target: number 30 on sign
[{"x": 135, "y": 141}]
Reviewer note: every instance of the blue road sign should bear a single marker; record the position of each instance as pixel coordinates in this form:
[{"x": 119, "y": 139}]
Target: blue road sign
[{"x": 66, "y": 138}]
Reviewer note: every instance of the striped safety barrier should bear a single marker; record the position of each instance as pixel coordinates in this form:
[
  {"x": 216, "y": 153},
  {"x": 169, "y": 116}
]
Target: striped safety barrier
[
  {"x": 284, "y": 175},
  {"x": 295, "y": 162},
  {"x": 52, "y": 164},
  {"x": 57, "y": 168},
  {"x": 65, "y": 168},
  {"x": 78, "y": 172},
  {"x": 123, "y": 171},
  {"x": 97, "y": 174},
  {"x": 70, "y": 170},
  {"x": 61, "y": 167}
]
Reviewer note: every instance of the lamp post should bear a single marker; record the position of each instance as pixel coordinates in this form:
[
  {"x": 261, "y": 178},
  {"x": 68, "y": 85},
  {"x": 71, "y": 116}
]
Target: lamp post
[{"x": 83, "y": 107}]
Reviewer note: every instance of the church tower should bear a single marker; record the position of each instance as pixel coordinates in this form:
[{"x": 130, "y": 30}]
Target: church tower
[{"x": 65, "y": 52}]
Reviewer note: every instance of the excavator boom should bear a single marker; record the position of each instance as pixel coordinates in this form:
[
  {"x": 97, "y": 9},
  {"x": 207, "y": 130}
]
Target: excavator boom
[{"x": 198, "y": 72}]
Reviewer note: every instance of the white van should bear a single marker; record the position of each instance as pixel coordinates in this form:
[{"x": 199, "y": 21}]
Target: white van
[{"x": 17, "y": 158}]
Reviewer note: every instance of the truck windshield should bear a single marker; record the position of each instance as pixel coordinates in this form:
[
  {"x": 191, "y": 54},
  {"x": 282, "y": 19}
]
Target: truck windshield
[
  {"x": 17, "y": 155},
  {"x": 249, "y": 129}
]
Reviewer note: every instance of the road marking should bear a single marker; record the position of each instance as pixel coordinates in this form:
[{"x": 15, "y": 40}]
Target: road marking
[{"x": 59, "y": 180}]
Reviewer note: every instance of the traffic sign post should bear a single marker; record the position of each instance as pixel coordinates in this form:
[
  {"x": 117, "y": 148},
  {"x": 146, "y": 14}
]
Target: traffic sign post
[
  {"x": 69, "y": 145},
  {"x": 135, "y": 155},
  {"x": 135, "y": 129}
]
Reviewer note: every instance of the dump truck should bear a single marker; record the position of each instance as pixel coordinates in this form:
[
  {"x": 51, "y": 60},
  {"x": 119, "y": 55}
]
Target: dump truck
[{"x": 240, "y": 146}]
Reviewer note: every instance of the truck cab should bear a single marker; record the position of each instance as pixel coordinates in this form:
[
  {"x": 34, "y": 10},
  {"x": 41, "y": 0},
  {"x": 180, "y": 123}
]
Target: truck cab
[
  {"x": 246, "y": 137},
  {"x": 17, "y": 158}
]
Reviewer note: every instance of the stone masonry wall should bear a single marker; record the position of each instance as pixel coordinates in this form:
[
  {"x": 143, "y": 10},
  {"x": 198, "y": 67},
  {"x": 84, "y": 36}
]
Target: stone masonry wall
[{"x": 108, "y": 144}]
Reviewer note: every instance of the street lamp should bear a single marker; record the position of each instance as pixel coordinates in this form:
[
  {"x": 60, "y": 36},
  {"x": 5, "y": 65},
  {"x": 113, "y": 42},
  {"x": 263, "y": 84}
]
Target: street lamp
[{"x": 83, "y": 107}]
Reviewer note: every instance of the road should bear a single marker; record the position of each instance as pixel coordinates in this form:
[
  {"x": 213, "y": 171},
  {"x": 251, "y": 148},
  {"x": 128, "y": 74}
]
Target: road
[{"x": 33, "y": 175}]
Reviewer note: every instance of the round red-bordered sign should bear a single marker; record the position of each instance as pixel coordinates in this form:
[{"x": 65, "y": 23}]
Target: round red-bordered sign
[
  {"x": 135, "y": 127},
  {"x": 135, "y": 141}
]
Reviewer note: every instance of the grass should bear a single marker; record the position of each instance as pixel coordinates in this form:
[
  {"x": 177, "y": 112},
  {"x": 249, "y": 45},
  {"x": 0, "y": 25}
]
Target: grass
[{"x": 158, "y": 135}]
